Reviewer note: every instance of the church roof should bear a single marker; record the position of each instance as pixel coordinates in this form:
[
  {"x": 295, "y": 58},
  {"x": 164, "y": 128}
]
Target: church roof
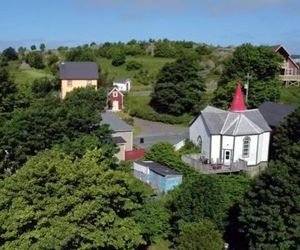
[
  {"x": 238, "y": 103},
  {"x": 223, "y": 122}
]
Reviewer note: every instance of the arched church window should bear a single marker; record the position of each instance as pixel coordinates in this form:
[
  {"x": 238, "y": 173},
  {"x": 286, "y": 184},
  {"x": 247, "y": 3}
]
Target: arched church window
[
  {"x": 199, "y": 141},
  {"x": 246, "y": 147}
]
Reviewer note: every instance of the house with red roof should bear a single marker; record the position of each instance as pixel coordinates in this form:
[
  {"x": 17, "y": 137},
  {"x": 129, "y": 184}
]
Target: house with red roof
[
  {"x": 290, "y": 73},
  {"x": 234, "y": 139}
]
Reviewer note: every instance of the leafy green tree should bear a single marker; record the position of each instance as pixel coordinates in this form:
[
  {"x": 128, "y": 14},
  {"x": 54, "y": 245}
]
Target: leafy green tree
[
  {"x": 118, "y": 58},
  {"x": 287, "y": 138},
  {"x": 203, "y": 50},
  {"x": 47, "y": 122},
  {"x": 179, "y": 87},
  {"x": 54, "y": 202},
  {"x": 8, "y": 90},
  {"x": 43, "y": 86},
  {"x": 164, "y": 49},
  {"x": 52, "y": 59},
  {"x": 269, "y": 217},
  {"x": 22, "y": 50},
  {"x": 262, "y": 64},
  {"x": 42, "y": 47},
  {"x": 10, "y": 54},
  {"x": 80, "y": 54},
  {"x": 33, "y": 47},
  {"x": 153, "y": 219},
  {"x": 199, "y": 197},
  {"x": 35, "y": 59},
  {"x": 199, "y": 236}
]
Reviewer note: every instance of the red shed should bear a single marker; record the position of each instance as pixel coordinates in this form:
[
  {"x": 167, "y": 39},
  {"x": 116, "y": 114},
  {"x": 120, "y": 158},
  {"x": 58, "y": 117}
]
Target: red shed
[{"x": 115, "y": 99}]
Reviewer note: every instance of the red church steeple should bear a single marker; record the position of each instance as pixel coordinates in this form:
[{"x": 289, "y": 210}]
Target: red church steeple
[{"x": 238, "y": 103}]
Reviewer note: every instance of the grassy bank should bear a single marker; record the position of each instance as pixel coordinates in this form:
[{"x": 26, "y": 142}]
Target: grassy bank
[
  {"x": 290, "y": 95},
  {"x": 139, "y": 106},
  {"x": 140, "y": 81}
]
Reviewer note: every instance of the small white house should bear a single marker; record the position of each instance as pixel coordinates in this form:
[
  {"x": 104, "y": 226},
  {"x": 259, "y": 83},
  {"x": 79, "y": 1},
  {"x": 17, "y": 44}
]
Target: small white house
[
  {"x": 123, "y": 84},
  {"x": 226, "y": 137}
]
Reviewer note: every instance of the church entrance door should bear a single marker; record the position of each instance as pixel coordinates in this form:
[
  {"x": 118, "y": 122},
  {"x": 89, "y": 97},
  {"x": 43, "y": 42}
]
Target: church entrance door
[{"x": 227, "y": 157}]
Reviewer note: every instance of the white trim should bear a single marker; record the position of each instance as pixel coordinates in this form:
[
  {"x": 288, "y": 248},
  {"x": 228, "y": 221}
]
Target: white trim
[
  {"x": 113, "y": 89},
  {"x": 281, "y": 46}
]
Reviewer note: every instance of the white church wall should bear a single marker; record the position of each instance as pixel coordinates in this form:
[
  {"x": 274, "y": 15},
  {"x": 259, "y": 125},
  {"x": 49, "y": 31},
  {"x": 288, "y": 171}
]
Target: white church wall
[
  {"x": 260, "y": 147},
  {"x": 238, "y": 151},
  {"x": 265, "y": 147},
  {"x": 227, "y": 142},
  {"x": 215, "y": 148},
  {"x": 197, "y": 129}
]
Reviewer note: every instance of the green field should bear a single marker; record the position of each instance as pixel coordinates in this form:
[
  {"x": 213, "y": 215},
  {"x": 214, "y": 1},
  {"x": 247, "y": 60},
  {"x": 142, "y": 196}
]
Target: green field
[
  {"x": 290, "y": 95},
  {"x": 151, "y": 64},
  {"x": 139, "y": 106},
  {"x": 25, "y": 78}
]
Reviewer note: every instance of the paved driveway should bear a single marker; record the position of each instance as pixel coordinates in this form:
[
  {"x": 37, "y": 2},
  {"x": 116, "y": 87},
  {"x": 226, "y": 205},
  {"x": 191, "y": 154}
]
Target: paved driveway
[{"x": 154, "y": 132}]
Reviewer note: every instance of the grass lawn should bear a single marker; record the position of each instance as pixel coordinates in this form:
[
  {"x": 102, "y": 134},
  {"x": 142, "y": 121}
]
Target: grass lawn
[
  {"x": 139, "y": 106},
  {"x": 24, "y": 78},
  {"x": 152, "y": 64},
  {"x": 163, "y": 245},
  {"x": 290, "y": 95}
]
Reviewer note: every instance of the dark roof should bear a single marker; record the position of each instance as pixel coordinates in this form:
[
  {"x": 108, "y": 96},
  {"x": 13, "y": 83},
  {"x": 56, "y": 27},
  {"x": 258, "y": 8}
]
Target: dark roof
[
  {"x": 118, "y": 140},
  {"x": 158, "y": 168},
  {"x": 274, "y": 113},
  {"x": 114, "y": 122},
  {"x": 78, "y": 71},
  {"x": 120, "y": 80}
]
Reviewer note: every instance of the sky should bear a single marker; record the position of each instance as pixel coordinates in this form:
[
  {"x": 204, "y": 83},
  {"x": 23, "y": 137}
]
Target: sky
[{"x": 217, "y": 22}]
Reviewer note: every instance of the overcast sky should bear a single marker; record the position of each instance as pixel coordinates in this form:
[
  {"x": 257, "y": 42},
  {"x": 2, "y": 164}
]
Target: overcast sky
[{"x": 217, "y": 22}]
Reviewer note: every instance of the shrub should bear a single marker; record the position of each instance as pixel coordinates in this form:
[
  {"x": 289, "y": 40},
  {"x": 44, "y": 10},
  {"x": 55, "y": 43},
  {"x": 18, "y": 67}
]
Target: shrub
[
  {"x": 35, "y": 60},
  {"x": 118, "y": 59},
  {"x": 43, "y": 86},
  {"x": 133, "y": 65}
]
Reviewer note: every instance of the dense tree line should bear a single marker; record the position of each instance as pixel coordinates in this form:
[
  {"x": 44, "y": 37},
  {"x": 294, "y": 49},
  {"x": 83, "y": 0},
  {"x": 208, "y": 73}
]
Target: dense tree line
[
  {"x": 48, "y": 121},
  {"x": 262, "y": 65}
]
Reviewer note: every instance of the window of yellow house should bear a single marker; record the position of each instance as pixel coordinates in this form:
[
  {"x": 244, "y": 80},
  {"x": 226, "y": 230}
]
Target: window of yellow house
[
  {"x": 69, "y": 83},
  {"x": 88, "y": 82}
]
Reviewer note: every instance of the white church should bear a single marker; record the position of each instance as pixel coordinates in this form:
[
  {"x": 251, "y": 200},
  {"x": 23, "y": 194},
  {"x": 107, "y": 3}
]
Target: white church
[{"x": 226, "y": 137}]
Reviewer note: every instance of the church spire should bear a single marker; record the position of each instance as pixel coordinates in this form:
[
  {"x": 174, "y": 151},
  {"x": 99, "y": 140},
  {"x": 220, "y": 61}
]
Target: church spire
[{"x": 238, "y": 103}]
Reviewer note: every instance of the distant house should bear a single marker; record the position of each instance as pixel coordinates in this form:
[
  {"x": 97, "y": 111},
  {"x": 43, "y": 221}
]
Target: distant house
[
  {"x": 156, "y": 175},
  {"x": 234, "y": 137},
  {"x": 122, "y": 133},
  {"x": 77, "y": 75},
  {"x": 274, "y": 113},
  {"x": 290, "y": 74},
  {"x": 124, "y": 84},
  {"x": 115, "y": 99}
]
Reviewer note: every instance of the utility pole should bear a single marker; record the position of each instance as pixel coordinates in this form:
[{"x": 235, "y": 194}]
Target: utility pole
[{"x": 248, "y": 77}]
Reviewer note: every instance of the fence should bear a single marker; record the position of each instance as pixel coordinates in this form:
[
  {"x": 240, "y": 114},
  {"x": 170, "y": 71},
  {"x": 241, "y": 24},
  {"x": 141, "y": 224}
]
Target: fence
[{"x": 197, "y": 161}]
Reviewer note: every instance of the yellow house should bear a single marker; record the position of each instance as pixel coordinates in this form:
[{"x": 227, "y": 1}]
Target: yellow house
[{"x": 77, "y": 75}]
